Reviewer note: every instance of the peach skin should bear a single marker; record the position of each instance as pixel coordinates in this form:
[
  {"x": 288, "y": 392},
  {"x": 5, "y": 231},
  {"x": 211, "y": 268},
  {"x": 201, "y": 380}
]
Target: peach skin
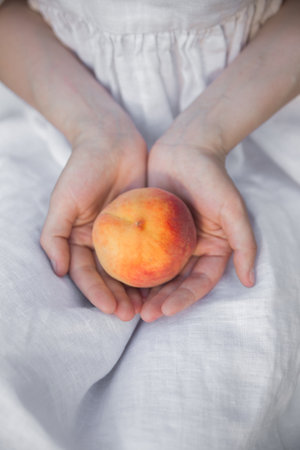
[{"x": 144, "y": 237}]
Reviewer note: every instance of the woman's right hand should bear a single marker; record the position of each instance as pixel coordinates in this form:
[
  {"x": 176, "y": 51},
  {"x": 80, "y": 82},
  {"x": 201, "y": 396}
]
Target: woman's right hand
[
  {"x": 108, "y": 153},
  {"x": 104, "y": 162}
]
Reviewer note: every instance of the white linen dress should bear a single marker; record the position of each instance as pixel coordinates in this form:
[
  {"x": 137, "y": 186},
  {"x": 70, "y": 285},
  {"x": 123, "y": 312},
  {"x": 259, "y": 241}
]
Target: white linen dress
[{"x": 221, "y": 375}]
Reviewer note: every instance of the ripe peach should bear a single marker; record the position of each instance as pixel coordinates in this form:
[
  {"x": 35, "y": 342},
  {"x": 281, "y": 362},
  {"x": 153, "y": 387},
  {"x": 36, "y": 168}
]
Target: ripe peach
[{"x": 144, "y": 237}]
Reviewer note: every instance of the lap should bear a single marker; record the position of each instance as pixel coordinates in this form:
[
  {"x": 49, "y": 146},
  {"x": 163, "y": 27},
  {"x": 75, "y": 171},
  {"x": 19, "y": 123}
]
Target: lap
[{"x": 217, "y": 375}]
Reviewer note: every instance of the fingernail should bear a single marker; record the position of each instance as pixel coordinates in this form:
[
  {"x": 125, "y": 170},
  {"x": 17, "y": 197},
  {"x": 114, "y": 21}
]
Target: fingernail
[
  {"x": 252, "y": 276},
  {"x": 53, "y": 264}
]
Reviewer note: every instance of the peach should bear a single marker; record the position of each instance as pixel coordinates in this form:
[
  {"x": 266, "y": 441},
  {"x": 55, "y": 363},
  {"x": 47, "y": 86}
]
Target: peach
[{"x": 144, "y": 237}]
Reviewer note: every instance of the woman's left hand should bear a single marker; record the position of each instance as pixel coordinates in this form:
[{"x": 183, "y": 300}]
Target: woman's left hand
[{"x": 199, "y": 177}]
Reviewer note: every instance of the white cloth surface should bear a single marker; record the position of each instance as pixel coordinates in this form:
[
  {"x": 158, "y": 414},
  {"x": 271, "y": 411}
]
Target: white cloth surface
[{"x": 223, "y": 374}]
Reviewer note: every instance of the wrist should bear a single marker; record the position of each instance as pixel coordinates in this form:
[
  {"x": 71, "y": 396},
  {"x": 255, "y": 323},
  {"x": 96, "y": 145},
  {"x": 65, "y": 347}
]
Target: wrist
[{"x": 196, "y": 128}]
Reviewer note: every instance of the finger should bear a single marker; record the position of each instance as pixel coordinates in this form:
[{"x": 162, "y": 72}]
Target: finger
[
  {"x": 136, "y": 298},
  {"x": 82, "y": 235},
  {"x": 145, "y": 292},
  {"x": 153, "y": 292},
  {"x": 202, "y": 279},
  {"x": 55, "y": 234},
  {"x": 241, "y": 239},
  {"x": 151, "y": 309},
  {"x": 84, "y": 273},
  {"x": 125, "y": 309}
]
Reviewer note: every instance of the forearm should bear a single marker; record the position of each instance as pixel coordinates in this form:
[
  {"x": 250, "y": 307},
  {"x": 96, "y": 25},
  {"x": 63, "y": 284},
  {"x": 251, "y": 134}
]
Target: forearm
[
  {"x": 262, "y": 79},
  {"x": 37, "y": 67}
]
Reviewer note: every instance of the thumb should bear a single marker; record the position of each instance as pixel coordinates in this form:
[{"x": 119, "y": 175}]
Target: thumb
[{"x": 55, "y": 235}]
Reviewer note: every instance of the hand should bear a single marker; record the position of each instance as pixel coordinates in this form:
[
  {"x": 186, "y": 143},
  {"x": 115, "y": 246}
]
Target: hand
[
  {"x": 199, "y": 177},
  {"x": 102, "y": 165}
]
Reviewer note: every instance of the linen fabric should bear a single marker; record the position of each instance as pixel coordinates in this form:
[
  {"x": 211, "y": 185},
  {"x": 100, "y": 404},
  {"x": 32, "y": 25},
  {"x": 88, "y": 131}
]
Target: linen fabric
[{"x": 223, "y": 374}]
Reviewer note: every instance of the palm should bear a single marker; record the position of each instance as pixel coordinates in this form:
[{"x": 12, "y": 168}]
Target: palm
[{"x": 200, "y": 179}]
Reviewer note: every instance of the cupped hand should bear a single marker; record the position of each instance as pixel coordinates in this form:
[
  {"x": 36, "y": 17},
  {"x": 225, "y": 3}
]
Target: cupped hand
[
  {"x": 102, "y": 165},
  {"x": 199, "y": 177}
]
